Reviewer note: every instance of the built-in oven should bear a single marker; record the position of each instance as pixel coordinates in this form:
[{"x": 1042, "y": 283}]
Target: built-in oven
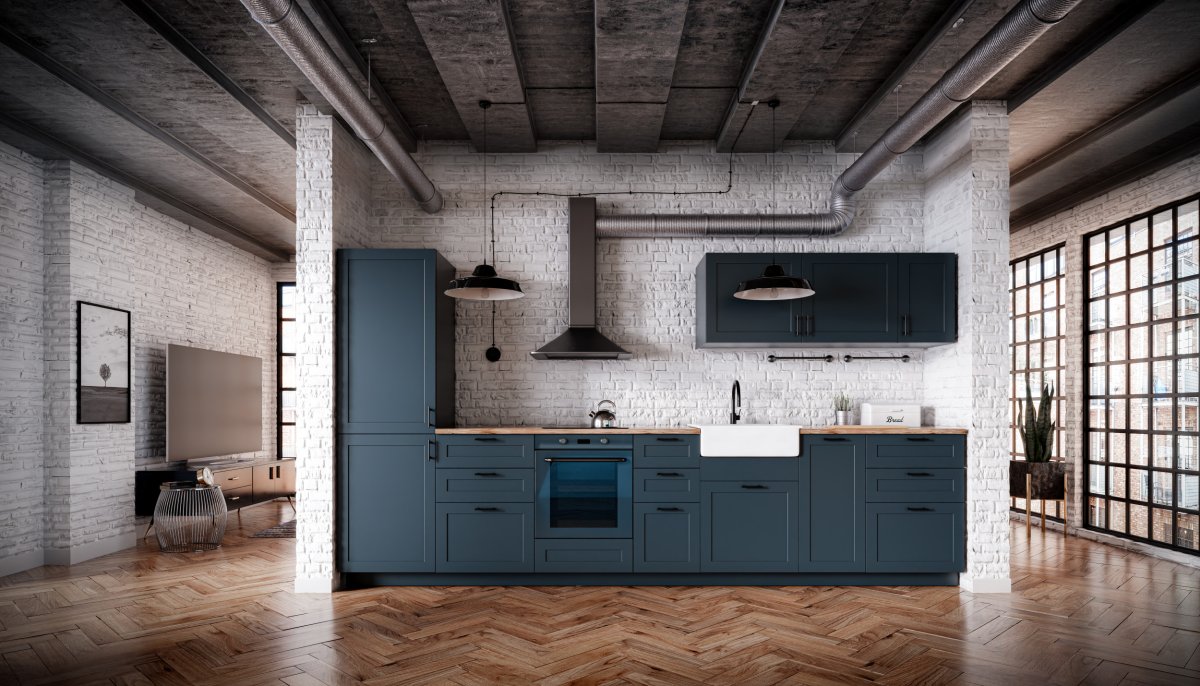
[{"x": 584, "y": 486}]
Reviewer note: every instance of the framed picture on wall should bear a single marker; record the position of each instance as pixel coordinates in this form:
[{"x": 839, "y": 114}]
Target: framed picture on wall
[{"x": 102, "y": 391}]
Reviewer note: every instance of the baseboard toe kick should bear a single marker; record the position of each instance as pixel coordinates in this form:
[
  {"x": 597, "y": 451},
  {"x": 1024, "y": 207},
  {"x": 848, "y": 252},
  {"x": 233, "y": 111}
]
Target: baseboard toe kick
[{"x": 351, "y": 580}]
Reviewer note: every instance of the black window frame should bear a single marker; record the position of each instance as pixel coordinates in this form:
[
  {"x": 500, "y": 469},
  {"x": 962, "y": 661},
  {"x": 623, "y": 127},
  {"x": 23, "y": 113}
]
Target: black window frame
[
  {"x": 279, "y": 355},
  {"x": 1090, "y": 521}
]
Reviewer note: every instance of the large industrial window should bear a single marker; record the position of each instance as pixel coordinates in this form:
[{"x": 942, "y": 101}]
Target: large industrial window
[
  {"x": 1143, "y": 377},
  {"x": 286, "y": 371},
  {"x": 1037, "y": 336}
]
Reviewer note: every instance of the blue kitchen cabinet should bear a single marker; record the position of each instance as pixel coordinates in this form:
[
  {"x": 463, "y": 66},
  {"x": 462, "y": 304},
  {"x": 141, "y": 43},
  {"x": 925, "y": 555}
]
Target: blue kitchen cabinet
[
  {"x": 836, "y": 469},
  {"x": 889, "y": 299},
  {"x": 666, "y": 451},
  {"x": 915, "y": 537},
  {"x": 395, "y": 342},
  {"x": 750, "y": 526},
  {"x": 386, "y": 503},
  {"x": 485, "y": 537},
  {"x": 927, "y": 292},
  {"x": 666, "y": 537}
]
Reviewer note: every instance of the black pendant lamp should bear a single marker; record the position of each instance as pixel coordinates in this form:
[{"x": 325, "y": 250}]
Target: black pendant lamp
[
  {"x": 775, "y": 283},
  {"x": 484, "y": 283}
]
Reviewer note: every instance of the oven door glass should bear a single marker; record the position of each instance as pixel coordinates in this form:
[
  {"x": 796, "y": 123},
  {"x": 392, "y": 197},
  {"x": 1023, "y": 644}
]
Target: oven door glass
[{"x": 586, "y": 495}]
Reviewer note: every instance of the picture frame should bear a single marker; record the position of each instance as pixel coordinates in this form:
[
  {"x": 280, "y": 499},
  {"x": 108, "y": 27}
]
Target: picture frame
[{"x": 103, "y": 370}]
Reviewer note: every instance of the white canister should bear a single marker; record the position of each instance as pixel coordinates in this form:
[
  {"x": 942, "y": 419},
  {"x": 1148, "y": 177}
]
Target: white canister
[{"x": 890, "y": 414}]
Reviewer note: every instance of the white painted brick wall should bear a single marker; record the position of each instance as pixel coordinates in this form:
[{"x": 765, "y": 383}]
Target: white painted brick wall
[
  {"x": 966, "y": 383},
  {"x": 1167, "y": 185},
  {"x": 181, "y": 286},
  {"x": 22, "y": 297}
]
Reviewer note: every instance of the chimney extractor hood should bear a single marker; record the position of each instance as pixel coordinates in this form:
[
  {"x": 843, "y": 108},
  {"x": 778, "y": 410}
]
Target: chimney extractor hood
[{"x": 581, "y": 341}]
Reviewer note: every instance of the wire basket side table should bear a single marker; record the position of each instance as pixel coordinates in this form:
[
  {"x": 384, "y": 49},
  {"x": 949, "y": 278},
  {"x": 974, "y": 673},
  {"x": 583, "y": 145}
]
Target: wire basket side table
[{"x": 189, "y": 517}]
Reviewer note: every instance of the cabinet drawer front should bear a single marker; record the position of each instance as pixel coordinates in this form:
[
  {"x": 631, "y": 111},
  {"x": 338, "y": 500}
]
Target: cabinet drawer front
[
  {"x": 666, "y": 537},
  {"x": 915, "y": 537},
  {"x": 238, "y": 497},
  {"x": 485, "y": 485},
  {"x": 487, "y": 452},
  {"x": 916, "y": 485},
  {"x": 612, "y": 555},
  {"x": 485, "y": 537},
  {"x": 900, "y": 452},
  {"x": 666, "y": 485},
  {"x": 679, "y": 452},
  {"x": 229, "y": 479},
  {"x": 750, "y": 469}
]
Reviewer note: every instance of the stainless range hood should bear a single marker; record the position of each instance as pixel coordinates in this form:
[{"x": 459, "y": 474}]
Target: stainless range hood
[{"x": 581, "y": 341}]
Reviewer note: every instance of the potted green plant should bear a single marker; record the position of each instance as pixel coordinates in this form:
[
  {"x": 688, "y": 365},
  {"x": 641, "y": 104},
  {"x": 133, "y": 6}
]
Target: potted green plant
[
  {"x": 841, "y": 409},
  {"x": 1037, "y": 435}
]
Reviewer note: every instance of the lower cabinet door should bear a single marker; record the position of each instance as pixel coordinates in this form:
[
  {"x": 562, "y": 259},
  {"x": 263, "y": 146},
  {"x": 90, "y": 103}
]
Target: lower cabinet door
[
  {"x": 749, "y": 526},
  {"x": 666, "y": 537},
  {"x": 584, "y": 555},
  {"x": 385, "y": 504},
  {"x": 915, "y": 537},
  {"x": 485, "y": 537}
]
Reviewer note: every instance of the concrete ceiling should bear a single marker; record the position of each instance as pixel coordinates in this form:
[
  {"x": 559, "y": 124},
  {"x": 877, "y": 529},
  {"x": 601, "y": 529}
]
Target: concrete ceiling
[{"x": 192, "y": 103}]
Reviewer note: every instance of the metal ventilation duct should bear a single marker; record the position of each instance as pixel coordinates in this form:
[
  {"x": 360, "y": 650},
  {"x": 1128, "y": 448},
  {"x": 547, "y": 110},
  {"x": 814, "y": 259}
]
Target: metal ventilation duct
[
  {"x": 1007, "y": 39},
  {"x": 287, "y": 24}
]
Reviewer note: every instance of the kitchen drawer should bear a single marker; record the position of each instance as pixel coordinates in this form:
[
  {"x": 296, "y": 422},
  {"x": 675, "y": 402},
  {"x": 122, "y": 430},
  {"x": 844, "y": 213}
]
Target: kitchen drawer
[
  {"x": 666, "y": 537},
  {"x": 485, "y": 537},
  {"x": 238, "y": 497},
  {"x": 234, "y": 478},
  {"x": 666, "y": 485},
  {"x": 901, "y": 452},
  {"x": 484, "y": 485},
  {"x": 915, "y": 537},
  {"x": 584, "y": 555},
  {"x": 750, "y": 469},
  {"x": 916, "y": 485},
  {"x": 666, "y": 451},
  {"x": 471, "y": 451}
]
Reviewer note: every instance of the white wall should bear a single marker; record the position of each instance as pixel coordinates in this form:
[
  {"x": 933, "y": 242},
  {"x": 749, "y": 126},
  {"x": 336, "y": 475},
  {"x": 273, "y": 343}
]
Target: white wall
[
  {"x": 1173, "y": 183},
  {"x": 180, "y": 285},
  {"x": 646, "y": 287}
]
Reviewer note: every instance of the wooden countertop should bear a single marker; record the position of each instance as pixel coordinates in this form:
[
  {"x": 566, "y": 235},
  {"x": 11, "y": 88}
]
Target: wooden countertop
[{"x": 845, "y": 430}]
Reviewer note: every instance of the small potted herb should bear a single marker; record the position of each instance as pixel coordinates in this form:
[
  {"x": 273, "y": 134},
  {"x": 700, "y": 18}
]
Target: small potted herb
[
  {"x": 1037, "y": 435},
  {"x": 841, "y": 409}
]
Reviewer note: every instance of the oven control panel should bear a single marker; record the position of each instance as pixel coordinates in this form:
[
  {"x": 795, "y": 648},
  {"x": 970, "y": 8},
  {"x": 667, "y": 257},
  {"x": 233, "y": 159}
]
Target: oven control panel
[{"x": 584, "y": 442}]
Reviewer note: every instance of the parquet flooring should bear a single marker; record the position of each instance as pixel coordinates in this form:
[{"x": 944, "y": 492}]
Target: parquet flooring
[{"x": 1081, "y": 613}]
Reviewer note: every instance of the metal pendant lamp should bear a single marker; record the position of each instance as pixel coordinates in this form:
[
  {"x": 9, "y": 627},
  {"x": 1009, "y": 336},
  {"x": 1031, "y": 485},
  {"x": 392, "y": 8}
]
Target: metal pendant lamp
[
  {"x": 484, "y": 283},
  {"x": 774, "y": 283}
]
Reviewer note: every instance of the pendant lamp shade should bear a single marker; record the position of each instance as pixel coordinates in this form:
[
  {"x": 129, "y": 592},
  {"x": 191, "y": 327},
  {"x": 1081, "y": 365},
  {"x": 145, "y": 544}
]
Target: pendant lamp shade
[
  {"x": 774, "y": 284},
  {"x": 484, "y": 284}
]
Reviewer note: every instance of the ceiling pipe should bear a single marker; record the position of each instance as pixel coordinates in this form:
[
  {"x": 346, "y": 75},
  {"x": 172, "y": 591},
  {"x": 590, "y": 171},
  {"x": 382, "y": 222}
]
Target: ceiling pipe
[
  {"x": 287, "y": 24},
  {"x": 1007, "y": 39}
]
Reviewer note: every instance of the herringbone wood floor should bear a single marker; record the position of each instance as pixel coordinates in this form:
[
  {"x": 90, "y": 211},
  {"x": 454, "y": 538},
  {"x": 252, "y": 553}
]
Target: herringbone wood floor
[{"x": 1082, "y": 612}]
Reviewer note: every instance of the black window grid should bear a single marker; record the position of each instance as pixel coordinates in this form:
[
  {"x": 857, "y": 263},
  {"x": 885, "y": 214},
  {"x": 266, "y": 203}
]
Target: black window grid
[{"x": 281, "y": 288}]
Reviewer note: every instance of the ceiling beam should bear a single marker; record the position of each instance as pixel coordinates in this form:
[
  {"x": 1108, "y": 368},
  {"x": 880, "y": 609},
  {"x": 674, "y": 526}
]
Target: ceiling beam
[
  {"x": 472, "y": 45},
  {"x": 343, "y": 46},
  {"x": 37, "y": 142},
  {"x": 636, "y": 46},
  {"x": 101, "y": 97},
  {"x": 799, "y": 45},
  {"x": 1139, "y": 140},
  {"x": 177, "y": 40},
  {"x": 1096, "y": 38}
]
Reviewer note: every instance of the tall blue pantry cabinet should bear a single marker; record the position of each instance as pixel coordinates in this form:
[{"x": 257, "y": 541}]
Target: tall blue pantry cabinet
[{"x": 395, "y": 385}]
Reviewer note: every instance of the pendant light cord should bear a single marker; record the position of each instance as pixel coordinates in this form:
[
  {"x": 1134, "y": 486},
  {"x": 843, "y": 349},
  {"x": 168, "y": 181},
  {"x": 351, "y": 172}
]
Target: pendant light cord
[
  {"x": 774, "y": 104},
  {"x": 484, "y": 104},
  {"x": 493, "y": 323}
]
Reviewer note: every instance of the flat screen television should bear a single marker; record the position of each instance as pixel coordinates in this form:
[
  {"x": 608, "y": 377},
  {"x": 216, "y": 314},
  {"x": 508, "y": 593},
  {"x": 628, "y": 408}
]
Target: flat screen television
[{"x": 214, "y": 403}]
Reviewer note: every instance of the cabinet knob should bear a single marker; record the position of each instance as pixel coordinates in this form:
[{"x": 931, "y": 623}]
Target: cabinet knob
[
  {"x": 563, "y": 441},
  {"x": 604, "y": 441}
]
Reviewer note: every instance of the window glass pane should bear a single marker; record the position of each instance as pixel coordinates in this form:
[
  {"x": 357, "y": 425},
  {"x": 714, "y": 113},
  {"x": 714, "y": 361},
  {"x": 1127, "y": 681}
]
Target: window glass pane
[
  {"x": 1097, "y": 419},
  {"x": 1049, "y": 324},
  {"x": 1186, "y": 534},
  {"x": 1116, "y": 277},
  {"x": 1163, "y": 231},
  {"x": 1139, "y": 271},
  {"x": 1096, "y": 510},
  {"x": 1019, "y": 359},
  {"x": 1186, "y": 456},
  {"x": 1139, "y": 378},
  {"x": 1116, "y": 311},
  {"x": 1116, "y": 379},
  {"x": 1164, "y": 451},
  {"x": 1188, "y": 217},
  {"x": 1097, "y": 451},
  {"x": 1186, "y": 337},
  {"x": 1139, "y": 411},
  {"x": 1185, "y": 260},
  {"x": 287, "y": 337},
  {"x": 1189, "y": 496},
  {"x": 1050, "y": 294},
  {"x": 1097, "y": 279},
  {"x": 1097, "y": 385},
  {"x": 1020, "y": 300},
  {"x": 1116, "y": 517},
  {"x": 1139, "y": 342},
  {"x": 1164, "y": 489},
  {"x": 1096, "y": 250},
  {"x": 1188, "y": 297},
  {"x": 1116, "y": 441},
  {"x": 1096, "y": 320},
  {"x": 1161, "y": 308},
  {"x": 287, "y": 443},
  {"x": 1116, "y": 243},
  {"x": 287, "y": 302},
  {"x": 1020, "y": 269},
  {"x": 1020, "y": 328},
  {"x": 1116, "y": 482},
  {"x": 1035, "y": 297},
  {"x": 287, "y": 406},
  {"x": 1035, "y": 270},
  {"x": 1139, "y": 484},
  {"x": 1139, "y": 307},
  {"x": 1163, "y": 381},
  {"x": 1139, "y": 520},
  {"x": 1139, "y": 450},
  {"x": 1163, "y": 339},
  {"x": 1139, "y": 235},
  {"x": 1162, "y": 525},
  {"x": 1188, "y": 371},
  {"x": 287, "y": 376},
  {"x": 1050, "y": 264},
  {"x": 1160, "y": 264},
  {"x": 1187, "y": 419}
]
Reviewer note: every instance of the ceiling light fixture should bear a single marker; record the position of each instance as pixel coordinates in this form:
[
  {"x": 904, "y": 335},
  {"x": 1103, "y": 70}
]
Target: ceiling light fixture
[
  {"x": 775, "y": 283},
  {"x": 484, "y": 283}
]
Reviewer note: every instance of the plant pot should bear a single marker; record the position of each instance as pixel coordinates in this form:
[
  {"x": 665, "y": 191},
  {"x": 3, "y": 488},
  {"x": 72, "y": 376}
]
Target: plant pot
[
  {"x": 1047, "y": 479},
  {"x": 841, "y": 417}
]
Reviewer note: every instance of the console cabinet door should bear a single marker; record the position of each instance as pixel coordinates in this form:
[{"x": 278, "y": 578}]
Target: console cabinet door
[
  {"x": 387, "y": 301},
  {"x": 666, "y": 537},
  {"x": 266, "y": 486},
  {"x": 749, "y": 526},
  {"x": 287, "y": 476},
  {"x": 928, "y": 294},
  {"x": 854, "y": 300},
  {"x": 386, "y": 503},
  {"x": 836, "y": 468}
]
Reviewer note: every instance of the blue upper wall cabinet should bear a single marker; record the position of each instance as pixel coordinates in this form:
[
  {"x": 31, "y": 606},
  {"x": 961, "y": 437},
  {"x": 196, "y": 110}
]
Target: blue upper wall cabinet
[
  {"x": 862, "y": 299},
  {"x": 395, "y": 342}
]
